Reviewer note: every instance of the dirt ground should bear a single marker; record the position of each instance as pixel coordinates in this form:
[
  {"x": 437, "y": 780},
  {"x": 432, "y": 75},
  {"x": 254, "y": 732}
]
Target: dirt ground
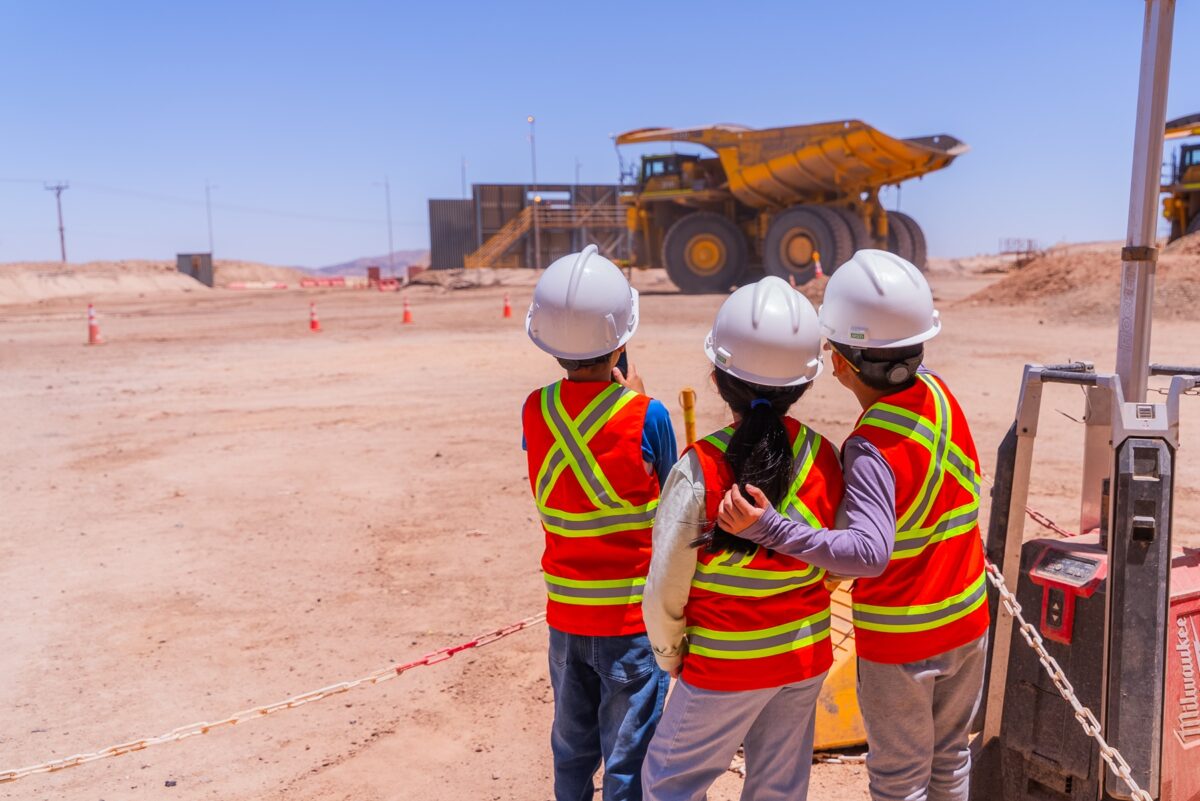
[{"x": 219, "y": 509}]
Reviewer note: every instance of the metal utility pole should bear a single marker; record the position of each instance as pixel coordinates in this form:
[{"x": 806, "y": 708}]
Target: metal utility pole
[
  {"x": 1140, "y": 256},
  {"x": 57, "y": 189},
  {"x": 577, "y": 166},
  {"x": 208, "y": 212},
  {"x": 387, "y": 197},
  {"x": 464, "y": 177},
  {"x": 537, "y": 234}
]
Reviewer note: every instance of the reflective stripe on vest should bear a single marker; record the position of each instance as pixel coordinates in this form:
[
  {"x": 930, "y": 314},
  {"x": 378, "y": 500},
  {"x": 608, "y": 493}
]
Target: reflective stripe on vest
[
  {"x": 571, "y": 452},
  {"x": 763, "y": 642},
  {"x": 727, "y": 575},
  {"x": 804, "y": 454},
  {"x": 601, "y": 592},
  {"x": 925, "y": 616},
  {"x": 913, "y": 532}
]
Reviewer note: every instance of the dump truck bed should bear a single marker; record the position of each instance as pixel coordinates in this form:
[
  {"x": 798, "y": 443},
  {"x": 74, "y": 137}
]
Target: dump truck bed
[{"x": 779, "y": 167}]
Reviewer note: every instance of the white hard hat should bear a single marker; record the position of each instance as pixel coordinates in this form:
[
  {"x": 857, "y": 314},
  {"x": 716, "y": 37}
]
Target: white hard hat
[
  {"x": 878, "y": 300},
  {"x": 582, "y": 307},
  {"x": 766, "y": 333}
]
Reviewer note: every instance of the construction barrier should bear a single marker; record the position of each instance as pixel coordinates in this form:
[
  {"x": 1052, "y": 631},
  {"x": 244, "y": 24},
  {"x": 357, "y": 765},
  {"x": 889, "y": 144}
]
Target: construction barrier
[{"x": 194, "y": 729}]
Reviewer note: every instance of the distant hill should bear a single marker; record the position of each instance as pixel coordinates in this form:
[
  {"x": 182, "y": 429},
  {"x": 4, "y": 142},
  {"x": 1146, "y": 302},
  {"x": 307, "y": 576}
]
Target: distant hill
[{"x": 359, "y": 266}]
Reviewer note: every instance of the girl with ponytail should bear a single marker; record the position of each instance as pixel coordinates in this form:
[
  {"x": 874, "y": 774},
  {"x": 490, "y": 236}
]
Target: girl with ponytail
[{"x": 744, "y": 629}]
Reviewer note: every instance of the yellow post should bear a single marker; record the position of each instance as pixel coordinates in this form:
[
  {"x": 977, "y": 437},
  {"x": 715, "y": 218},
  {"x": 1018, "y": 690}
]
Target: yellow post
[{"x": 687, "y": 399}]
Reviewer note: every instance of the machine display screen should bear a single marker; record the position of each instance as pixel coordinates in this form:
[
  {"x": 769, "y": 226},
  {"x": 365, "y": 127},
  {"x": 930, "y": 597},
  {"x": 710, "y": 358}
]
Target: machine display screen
[{"x": 1067, "y": 569}]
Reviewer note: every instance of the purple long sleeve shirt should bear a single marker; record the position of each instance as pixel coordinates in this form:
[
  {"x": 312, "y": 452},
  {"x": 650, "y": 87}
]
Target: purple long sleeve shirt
[{"x": 862, "y": 544}]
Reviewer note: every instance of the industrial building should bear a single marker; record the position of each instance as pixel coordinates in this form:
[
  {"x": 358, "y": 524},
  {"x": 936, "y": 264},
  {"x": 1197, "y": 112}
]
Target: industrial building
[{"x": 520, "y": 225}]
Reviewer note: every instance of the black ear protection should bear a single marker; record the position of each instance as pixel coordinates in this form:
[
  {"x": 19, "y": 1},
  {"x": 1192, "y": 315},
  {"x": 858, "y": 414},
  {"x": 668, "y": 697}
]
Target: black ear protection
[{"x": 895, "y": 370}]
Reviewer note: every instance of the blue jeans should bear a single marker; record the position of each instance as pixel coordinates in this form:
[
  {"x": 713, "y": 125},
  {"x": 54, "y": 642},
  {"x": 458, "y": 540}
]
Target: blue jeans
[{"x": 608, "y": 697}]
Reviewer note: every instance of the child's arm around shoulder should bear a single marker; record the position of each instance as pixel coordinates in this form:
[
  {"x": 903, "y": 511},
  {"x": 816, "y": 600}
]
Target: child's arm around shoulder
[{"x": 862, "y": 543}]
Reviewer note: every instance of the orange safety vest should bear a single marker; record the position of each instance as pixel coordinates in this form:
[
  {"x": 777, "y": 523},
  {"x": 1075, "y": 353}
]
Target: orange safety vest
[
  {"x": 596, "y": 502},
  {"x": 762, "y": 619},
  {"x": 932, "y": 596}
]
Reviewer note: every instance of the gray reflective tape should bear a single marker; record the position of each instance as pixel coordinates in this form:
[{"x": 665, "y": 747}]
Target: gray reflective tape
[
  {"x": 724, "y": 436},
  {"x": 568, "y": 440},
  {"x": 964, "y": 468},
  {"x": 603, "y": 519},
  {"x": 695, "y": 638},
  {"x": 752, "y": 583},
  {"x": 556, "y": 458},
  {"x": 900, "y": 421},
  {"x": 942, "y": 444},
  {"x": 899, "y": 617},
  {"x": 601, "y": 410},
  {"x": 903, "y": 546},
  {"x": 595, "y": 592}
]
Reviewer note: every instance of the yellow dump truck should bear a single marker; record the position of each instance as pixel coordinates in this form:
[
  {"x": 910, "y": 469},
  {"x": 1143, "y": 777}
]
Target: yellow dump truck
[
  {"x": 779, "y": 199},
  {"x": 1181, "y": 206}
]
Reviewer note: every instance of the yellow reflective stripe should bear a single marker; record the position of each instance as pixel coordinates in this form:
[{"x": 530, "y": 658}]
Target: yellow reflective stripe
[
  {"x": 761, "y": 642},
  {"x": 555, "y": 456},
  {"x": 807, "y": 442},
  {"x": 607, "y": 495},
  {"x": 720, "y": 439},
  {"x": 635, "y": 518},
  {"x": 727, "y": 577},
  {"x": 595, "y": 592},
  {"x": 922, "y": 617},
  {"x": 951, "y": 524}
]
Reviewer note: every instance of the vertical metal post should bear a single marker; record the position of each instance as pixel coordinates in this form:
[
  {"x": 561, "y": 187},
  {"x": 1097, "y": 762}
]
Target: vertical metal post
[
  {"x": 387, "y": 199},
  {"x": 537, "y": 235},
  {"x": 1140, "y": 255},
  {"x": 57, "y": 189},
  {"x": 463, "y": 159},
  {"x": 208, "y": 213}
]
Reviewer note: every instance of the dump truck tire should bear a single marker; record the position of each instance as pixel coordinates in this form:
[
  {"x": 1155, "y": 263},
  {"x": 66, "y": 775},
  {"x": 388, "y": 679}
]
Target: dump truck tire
[
  {"x": 705, "y": 252},
  {"x": 859, "y": 235},
  {"x": 906, "y": 239},
  {"x": 798, "y": 234},
  {"x": 899, "y": 240}
]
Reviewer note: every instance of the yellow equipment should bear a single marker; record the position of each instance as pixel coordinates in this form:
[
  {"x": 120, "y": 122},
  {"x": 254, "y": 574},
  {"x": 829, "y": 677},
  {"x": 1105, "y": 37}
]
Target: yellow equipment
[
  {"x": 1181, "y": 206},
  {"x": 839, "y": 722},
  {"x": 774, "y": 197}
]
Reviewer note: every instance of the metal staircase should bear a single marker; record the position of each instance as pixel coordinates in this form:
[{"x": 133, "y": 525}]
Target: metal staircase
[{"x": 566, "y": 217}]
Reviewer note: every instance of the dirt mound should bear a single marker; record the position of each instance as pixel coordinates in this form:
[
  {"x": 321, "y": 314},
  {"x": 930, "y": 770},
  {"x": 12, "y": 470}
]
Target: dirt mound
[
  {"x": 1086, "y": 283},
  {"x": 1187, "y": 245},
  {"x": 31, "y": 282},
  {"x": 229, "y": 271}
]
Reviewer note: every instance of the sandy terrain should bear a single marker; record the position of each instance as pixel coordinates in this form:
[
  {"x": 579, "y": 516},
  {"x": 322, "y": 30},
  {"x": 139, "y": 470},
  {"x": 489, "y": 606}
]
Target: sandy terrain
[
  {"x": 34, "y": 282},
  {"x": 219, "y": 509}
]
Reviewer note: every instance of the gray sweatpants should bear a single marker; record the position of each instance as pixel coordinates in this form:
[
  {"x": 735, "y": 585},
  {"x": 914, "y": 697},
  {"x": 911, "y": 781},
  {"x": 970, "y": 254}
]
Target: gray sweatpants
[
  {"x": 701, "y": 730},
  {"x": 918, "y": 719}
]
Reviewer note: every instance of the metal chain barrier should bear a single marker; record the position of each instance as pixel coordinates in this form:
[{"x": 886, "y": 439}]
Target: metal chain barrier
[
  {"x": 1087, "y": 720},
  {"x": 195, "y": 729}
]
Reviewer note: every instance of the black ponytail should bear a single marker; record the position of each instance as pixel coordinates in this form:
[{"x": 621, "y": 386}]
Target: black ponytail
[{"x": 759, "y": 452}]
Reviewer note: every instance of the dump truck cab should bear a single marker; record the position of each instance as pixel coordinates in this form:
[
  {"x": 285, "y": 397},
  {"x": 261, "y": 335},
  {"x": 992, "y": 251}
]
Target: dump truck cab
[
  {"x": 1181, "y": 203},
  {"x": 666, "y": 173}
]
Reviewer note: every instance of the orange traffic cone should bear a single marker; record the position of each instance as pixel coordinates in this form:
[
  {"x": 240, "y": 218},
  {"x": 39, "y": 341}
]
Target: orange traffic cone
[
  {"x": 94, "y": 337},
  {"x": 314, "y": 324},
  {"x": 507, "y": 306},
  {"x": 407, "y": 312},
  {"x": 819, "y": 273}
]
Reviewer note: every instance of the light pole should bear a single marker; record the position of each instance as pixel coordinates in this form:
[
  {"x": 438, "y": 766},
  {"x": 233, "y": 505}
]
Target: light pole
[
  {"x": 208, "y": 212},
  {"x": 464, "y": 177},
  {"x": 537, "y": 234},
  {"x": 387, "y": 199},
  {"x": 57, "y": 189}
]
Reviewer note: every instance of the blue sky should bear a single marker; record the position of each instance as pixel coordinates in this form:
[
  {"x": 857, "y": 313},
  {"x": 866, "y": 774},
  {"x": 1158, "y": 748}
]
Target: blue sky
[{"x": 296, "y": 110}]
